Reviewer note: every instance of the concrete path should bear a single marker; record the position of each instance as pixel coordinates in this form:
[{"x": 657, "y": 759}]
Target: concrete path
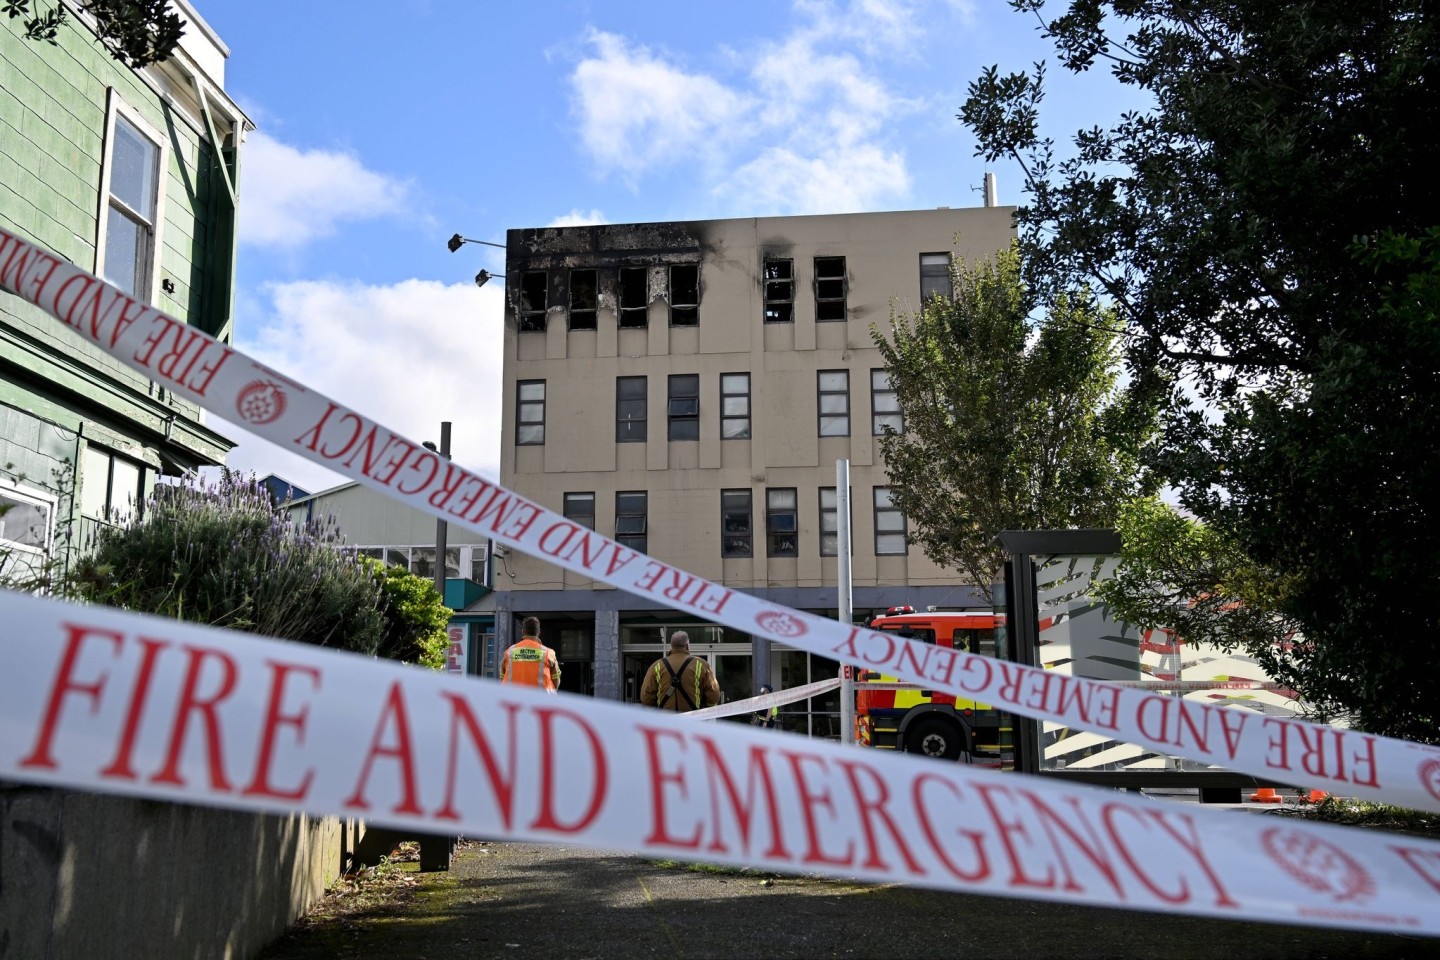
[{"x": 515, "y": 900}]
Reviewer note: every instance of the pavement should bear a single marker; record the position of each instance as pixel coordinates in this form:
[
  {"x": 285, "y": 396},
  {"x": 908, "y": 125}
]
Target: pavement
[{"x": 523, "y": 900}]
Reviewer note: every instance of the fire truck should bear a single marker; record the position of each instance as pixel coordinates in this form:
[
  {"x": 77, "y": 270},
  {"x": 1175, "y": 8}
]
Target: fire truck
[{"x": 896, "y": 716}]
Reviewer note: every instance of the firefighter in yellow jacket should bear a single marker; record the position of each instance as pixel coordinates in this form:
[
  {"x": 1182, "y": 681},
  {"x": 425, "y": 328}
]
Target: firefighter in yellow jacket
[
  {"x": 679, "y": 681},
  {"x": 529, "y": 662}
]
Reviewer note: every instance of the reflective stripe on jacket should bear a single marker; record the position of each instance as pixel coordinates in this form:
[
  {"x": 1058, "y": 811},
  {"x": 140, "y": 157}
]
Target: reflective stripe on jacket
[{"x": 531, "y": 663}]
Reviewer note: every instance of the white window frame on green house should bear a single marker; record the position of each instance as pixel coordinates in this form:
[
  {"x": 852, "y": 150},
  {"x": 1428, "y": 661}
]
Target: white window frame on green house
[
  {"x": 20, "y": 540},
  {"x": 107, "y": 494},
  {"x": 118, "y": 209}
]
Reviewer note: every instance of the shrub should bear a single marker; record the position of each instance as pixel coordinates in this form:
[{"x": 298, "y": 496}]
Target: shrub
[
  {"x": 226, "y": 556},
  {"x": 415, "y": 616}
]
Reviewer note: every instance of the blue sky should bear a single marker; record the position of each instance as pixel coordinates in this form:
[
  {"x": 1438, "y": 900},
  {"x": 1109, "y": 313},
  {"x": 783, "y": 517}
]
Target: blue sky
[{"x": 383, "y": 128}]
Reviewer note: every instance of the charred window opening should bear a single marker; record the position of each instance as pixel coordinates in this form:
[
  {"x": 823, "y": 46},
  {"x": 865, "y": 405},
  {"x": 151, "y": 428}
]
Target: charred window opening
[
  {"x": 685, "y": 295},
  {"x": 830, "y": 289},
  {"x": 779, "y": 290},
  {"x": 582, "y": 299},
  {"x": 534, "y": 287},
  {"x": 634, "y": 296}
]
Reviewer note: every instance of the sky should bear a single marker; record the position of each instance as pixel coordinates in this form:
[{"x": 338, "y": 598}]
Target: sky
[{"x": 384, "y": 128}]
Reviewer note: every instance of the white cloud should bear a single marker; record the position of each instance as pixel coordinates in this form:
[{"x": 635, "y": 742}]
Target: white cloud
[
  {"x": 807, "y": 126},
  {"x": 578, "y": 218},
  {"x": 292, "y": 196},
  {"x": 409, "y": 355},
  {"x": 637, "y": 111}
]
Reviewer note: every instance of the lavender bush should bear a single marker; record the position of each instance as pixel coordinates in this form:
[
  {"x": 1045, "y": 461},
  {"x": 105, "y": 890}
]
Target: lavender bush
[{"x": 225, "y": 555}]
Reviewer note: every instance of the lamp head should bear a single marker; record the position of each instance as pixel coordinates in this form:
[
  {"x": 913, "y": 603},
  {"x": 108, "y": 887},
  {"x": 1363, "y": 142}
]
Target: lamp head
[{"x": 455, "y": 243}]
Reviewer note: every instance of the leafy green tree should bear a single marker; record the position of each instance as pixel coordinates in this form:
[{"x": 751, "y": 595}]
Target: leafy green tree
[
  {"x": 415, "y": 616},
  {"x": 1008, "y": 424},
  {"x": 227, "y": 557},
  {"x": 1265, "y": 227},
  {"x": 136, "y": 32}
]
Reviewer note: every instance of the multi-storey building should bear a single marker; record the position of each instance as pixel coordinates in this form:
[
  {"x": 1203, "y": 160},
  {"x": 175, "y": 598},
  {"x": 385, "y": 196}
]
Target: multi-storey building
[
  {"x": 688, "y": 389},
  {"x": 130, "y": 174}
]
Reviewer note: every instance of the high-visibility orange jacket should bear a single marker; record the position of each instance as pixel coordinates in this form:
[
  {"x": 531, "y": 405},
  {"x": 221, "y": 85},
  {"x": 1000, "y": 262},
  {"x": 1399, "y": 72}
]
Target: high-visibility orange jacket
[{"x": 531, "y": 663}]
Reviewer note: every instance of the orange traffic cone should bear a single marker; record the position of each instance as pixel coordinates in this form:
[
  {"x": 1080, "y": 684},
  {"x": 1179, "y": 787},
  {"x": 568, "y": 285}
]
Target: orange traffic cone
[
  {"x": 1316, "y": 796},
  {"x": 1266, "y": 795}
]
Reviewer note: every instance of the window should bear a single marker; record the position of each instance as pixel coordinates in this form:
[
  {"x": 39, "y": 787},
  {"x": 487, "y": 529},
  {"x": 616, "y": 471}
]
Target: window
[
  {"x": 582, "y": 299},
  {"x": 884, "y": 404},
  {"x": 580, "y": 508},
  {"x": 530, "y": 413},
  {"x": 834, "y": 406},
  {"x": 630, "y": 407},
  {"x": 830, "y": 289},
  {"x": 735, "y": 536},
  {"x": 734, "y": 406},
  {"x": 829, "y": 522},
  {"x": 534, "y": 300},
  {"x": 779, "y": 291},
  {"x": 634, "y": 296},
  {"x": 781, "y": 523},
  {"x": 889, "y": 525},
  {"x": 684, "y": 409},
  {"x": 684, "y": 294},
  {"x": 935, "y": 276},
  {"x": 422, "y": 562},
  {"x": 111, "y": 487},
  {"x": 630, "y": 519},
  {"x": 134, "y": 190},
  {"x": 24, "y": 530}
]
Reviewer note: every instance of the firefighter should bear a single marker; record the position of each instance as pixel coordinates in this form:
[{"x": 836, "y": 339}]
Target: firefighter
[
  {"x": 529, "y": 662},
  {"x": 768, "y": 717},
  {"x": 678, "y": 681}
]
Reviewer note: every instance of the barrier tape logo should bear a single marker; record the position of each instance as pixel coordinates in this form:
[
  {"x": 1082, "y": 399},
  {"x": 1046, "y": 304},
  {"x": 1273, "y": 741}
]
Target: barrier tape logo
[
  {"x": 1318, "y": 864},
  {"x": 1430, "y": 777},
  {"x": 260, "y": 402},
  {"x": 783, "y": 624}
]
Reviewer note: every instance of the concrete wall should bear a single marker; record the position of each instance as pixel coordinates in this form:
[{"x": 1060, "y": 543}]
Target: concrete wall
[{"x": 84, "y": 875}]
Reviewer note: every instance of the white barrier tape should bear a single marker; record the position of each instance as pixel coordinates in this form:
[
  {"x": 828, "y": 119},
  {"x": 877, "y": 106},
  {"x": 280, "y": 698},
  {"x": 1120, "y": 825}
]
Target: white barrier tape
[
  {"x": 1187, "y": 686},
  {"x": 100, "y": 699},
  {"x": 225, "y": 381},
  {"x": 764, "y": 701}
]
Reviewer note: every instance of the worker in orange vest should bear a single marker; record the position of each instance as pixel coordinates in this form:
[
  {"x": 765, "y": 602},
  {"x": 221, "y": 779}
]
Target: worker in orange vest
[
  {"x": 679, "y": 681},
  {"x": 529, "y": 662}
]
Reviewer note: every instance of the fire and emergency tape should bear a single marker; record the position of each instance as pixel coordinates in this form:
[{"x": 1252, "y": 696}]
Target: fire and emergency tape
[
  {"x": 226, "y": 382},
  {"x": 102, "y": 699},
  {"x": 764, "y": 701}
]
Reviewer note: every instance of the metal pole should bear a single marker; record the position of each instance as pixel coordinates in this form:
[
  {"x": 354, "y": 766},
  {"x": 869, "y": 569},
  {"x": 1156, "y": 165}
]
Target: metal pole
[
  {"x": 842, "y": 584},
  {"x": 440, "y": 529}
]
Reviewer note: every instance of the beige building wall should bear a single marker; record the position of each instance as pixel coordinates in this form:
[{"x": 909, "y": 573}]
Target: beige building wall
[{"x": 683, "y": 478}]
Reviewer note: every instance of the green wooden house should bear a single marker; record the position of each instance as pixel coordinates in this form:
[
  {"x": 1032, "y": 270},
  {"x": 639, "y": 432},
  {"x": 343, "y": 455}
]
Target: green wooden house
[{"x": 132, "y": 174}]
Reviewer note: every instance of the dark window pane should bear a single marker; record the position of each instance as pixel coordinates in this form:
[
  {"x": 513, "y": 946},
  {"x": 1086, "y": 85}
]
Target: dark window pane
[{"x": 634, "y": 296}]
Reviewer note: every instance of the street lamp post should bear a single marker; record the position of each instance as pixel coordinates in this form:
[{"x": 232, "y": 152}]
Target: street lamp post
[{"x": 441, "y": 530}]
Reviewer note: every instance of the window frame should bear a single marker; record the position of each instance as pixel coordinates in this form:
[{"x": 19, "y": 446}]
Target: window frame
[
  {"x": 521, "y": 421},
  {"x": 685, "y": 421},
  {"x": 147, "y": 280},
  {"x": 727, "y": 418},
  {"x": 111, "y": 512},
  {"x": 583, "y": 317},
  {"x": 682, "y": 313},
  {"x": 825, "y": 298},
  {"x": 779, "y": 308},
  {"x": 626, "y": 315},
  {"x": 570, "y": 509},
  {"x": 737, "y": 542},
  {"x": 526, "y": 311},
  {"x": 932, "y": 274},
  {"x": 833, "y": 514},
  {"x": 773, "y": 537},
  {"x": 639, "y": 542},
  {"x": 38, "y": 499},
  {"x": 821, "y": 416},
  {"x": 624, "y": 426},
  {"x": 904, "y": 532},
  {"x": 876, "y": 392}
]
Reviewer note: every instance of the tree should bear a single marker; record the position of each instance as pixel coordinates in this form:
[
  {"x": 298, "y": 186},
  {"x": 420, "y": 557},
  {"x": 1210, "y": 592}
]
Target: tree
[
  {"x": 136, "y": 32},
  {"x": 1008, "y": 425},
  {"x": 415, "y": 616},
  {"x": 1265, "y": 231}
]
